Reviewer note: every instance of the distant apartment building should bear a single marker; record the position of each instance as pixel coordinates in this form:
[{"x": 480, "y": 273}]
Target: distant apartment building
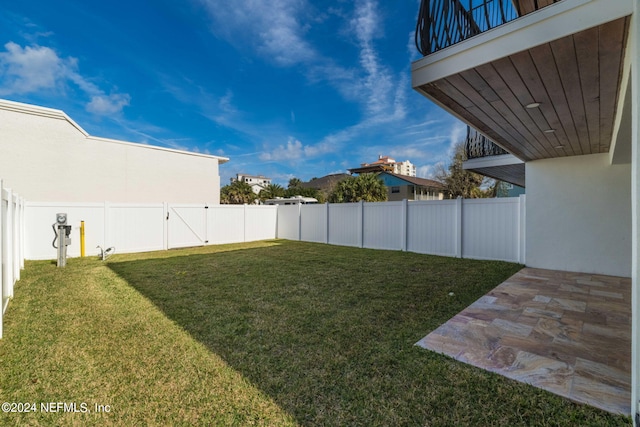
[
  {"x": 387, "y": 164},
  {"x": 257, "y": 182}
]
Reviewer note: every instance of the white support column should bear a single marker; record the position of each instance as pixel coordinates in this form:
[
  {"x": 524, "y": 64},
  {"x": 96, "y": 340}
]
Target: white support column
[{"x": 634, "y": 51}]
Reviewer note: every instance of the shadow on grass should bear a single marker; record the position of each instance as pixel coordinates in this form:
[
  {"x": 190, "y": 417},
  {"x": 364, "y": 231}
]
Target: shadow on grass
[{"x": 328, "y": 332}]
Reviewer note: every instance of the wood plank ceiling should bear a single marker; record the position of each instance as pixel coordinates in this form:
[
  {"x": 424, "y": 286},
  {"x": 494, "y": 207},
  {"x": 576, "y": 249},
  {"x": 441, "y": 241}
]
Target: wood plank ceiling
[{"x": 575, "y": 79}]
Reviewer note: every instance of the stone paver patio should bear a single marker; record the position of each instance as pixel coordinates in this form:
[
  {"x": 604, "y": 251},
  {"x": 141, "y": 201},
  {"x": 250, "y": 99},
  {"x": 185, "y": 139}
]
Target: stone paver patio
[{"x": 568, "y": 333}]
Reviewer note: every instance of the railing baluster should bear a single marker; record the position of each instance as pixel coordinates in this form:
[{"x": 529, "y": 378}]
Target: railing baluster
[
  {"x": 477, "y": 145},
  {"x": 442, "y": 23}
]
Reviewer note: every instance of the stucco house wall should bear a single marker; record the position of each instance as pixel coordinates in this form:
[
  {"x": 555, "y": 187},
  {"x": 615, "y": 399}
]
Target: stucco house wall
[
  {"x": 579, "y": 215},
  {"x": 46, "y": 156}
]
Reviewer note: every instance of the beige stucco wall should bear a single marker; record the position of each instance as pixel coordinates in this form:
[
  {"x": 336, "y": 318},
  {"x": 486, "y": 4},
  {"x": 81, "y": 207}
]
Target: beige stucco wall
[
  {"x": 578, "y": 215},
  {"x": 45, "y": 156}
]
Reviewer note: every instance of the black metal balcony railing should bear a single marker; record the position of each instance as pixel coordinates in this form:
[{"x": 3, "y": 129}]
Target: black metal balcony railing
[
  {"x": 478, "y": 145},
  {"x": 443, "y": 23}
]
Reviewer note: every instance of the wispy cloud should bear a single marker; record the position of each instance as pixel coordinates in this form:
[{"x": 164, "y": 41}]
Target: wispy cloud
[
  {"x": 31, "y": 69},
  {"x": 272, "y": 28},
  {"x": 278, "y": 32},
  {"x": 295, "y": 150}
]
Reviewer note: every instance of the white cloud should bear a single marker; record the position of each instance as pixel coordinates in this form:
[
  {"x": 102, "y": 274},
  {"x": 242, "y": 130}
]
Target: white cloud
[
  {"x": 272, "y": 27},
  {"x": 29, "y": 69},
  {"x": 108, "y": 104},
  {"x": 36, "y": 68},
  {"x": 295, "y": 150}
]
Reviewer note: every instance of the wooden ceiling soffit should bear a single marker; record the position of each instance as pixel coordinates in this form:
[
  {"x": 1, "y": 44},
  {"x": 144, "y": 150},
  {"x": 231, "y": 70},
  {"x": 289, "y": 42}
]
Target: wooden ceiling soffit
[{"x": 575, "y": 79}]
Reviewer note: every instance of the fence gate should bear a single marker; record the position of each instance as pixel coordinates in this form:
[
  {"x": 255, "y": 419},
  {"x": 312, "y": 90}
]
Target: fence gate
[{"x": 186, "y": 225}]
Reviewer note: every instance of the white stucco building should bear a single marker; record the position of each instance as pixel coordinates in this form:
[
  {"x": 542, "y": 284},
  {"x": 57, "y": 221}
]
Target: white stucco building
[
  {"x": 256, "y": 182},
  {"x": 386, "y": 163},
  {"x": 49, "y": 157}
]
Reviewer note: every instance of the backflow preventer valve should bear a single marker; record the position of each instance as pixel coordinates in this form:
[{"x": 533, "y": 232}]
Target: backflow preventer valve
[{"x": 62, "y": 237}]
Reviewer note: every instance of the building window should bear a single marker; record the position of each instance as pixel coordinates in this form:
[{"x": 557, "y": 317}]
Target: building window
[{"x": 395, "y": 189}]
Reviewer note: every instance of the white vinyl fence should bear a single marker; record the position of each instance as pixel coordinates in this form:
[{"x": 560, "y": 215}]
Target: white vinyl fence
[
  {"x": 145, "y": 227},
  {"x": 479, "y": 228},
  {"x": 491, "y": 229},
  {"x": 12, "y": 247}
]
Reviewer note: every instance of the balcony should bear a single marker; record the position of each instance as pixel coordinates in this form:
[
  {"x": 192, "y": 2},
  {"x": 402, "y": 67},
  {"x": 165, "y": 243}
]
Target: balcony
[
  {"x": 489, "y": 159},
  {"x": 477, "y": 145},
  {"x": 543, "y": 79},
  {"x": 443, "y": 23}
]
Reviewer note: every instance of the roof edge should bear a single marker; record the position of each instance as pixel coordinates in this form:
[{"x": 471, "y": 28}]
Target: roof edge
[{"x": 53, "y": 113}]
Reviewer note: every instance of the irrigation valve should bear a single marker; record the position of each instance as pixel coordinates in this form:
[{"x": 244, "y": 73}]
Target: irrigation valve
[{"x": 62, "y": 236}]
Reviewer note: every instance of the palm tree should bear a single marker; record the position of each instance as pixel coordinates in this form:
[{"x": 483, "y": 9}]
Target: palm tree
[
  {"x": 237, "y": 193},
  {"x": 294, "y": 183},
  {"x": 271, "y": 191}
]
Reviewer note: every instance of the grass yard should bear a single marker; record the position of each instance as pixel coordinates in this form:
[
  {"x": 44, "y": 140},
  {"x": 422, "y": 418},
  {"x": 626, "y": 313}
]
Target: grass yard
[{"x": 270, "y": 333}]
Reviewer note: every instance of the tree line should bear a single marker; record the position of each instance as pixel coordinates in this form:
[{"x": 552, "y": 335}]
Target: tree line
[{"x": 368, "y": 187}]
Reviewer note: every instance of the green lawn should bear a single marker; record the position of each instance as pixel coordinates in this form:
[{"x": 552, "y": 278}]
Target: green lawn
[{"x": 267, "y": 333}]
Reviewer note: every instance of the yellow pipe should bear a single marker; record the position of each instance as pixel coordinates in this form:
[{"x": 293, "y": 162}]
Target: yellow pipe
[{"x": 81, "y": 238}]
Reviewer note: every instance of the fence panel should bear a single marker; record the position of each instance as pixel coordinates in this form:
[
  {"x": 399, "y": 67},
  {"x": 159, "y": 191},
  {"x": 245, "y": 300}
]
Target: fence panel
[
  {"x": 383, "y": 225},
  {"x": 431, "y": 227},
  {"x": 260, "y": 222},
  {"x": 288, "y": 226},
  {"x": 4, "y": 242},
  {"x": 134, "y": 228},
  {"x": 225, "y": 224},
  {"x": 491, "y": 229},
  {"x": 39, "y": 233},
  {"x": 11, "y": 246},
  {"x": 345, "y": 224},
  {"x": 313, "y": 223}
]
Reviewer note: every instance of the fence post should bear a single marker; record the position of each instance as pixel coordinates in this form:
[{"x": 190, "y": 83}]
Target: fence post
[
  {"x": 244, "y": 222},
  {"x": 23, "y": 230},
  {"x": 404, "y": 224},
  {"x": 522, "y": 259},
  {"x": 458, "y": 234},
  {"x": 105, "y": 231},
  {"x": 361, "y": 223},
  {"x": 16, "y": 241},
  {"x": 299, "y": 221},
  {"x": 165, "y": 228},
  {"x": 326, "y": 223},
  {"x": 9, "y": 246}
]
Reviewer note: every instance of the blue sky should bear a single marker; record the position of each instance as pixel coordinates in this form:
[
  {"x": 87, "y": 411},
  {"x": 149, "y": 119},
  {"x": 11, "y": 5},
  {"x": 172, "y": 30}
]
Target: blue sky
[{"x": 284, "y": 88}]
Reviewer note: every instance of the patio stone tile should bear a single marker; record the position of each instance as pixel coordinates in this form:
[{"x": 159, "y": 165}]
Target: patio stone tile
[
  {"x": 507, "y": 327},
  {"x": 567, "y": 304},
  {"x": 615, "y": 295},
  {"x": 569, "y": 333},
  {"x": 574, "y": 289},
  {"x": 543, "y": 372}
]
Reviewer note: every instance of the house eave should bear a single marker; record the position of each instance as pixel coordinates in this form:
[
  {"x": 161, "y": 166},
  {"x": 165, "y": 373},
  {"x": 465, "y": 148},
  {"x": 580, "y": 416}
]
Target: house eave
[{"x": 542, "y": 26}]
